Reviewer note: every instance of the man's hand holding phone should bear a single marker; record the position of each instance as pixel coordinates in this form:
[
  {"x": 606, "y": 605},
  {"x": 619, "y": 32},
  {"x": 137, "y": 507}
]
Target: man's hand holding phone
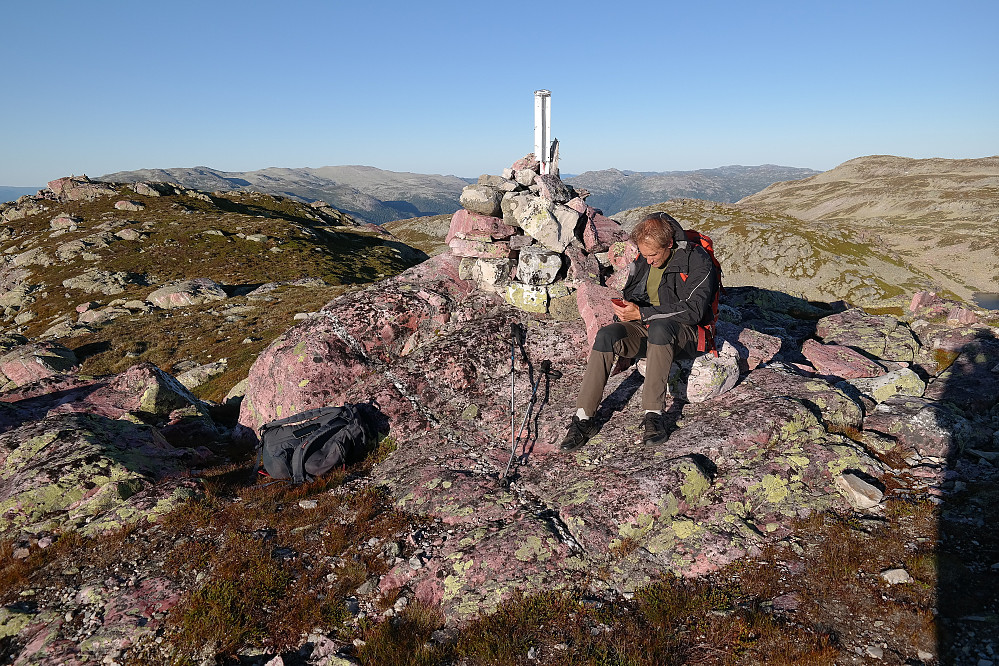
[{"x": 625, "y": 310}]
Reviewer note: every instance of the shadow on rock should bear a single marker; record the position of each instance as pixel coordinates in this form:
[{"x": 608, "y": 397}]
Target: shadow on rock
[{"x": 968, "y": 550}]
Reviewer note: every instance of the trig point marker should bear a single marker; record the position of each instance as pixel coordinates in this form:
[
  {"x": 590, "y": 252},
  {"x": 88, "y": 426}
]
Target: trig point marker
[{"x": 543, "y": 128}]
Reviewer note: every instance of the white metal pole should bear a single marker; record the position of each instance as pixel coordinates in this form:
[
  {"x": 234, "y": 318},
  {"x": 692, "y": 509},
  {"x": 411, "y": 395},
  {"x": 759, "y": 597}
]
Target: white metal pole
[{"x": 542, "y": 127}]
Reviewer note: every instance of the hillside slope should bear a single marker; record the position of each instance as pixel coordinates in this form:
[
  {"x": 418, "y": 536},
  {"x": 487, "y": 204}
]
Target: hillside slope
[
  {"x": 613, "y": 191},
  {"x": 80, "y": 270},
  {"x": 938, "y": 214}
]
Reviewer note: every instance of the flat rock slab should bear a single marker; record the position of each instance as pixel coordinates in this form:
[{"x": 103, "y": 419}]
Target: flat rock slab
[
  {"x": 840, "y": 361},
  {"x": 93, "y": 467},
  {"x": 881, "y": 336}
]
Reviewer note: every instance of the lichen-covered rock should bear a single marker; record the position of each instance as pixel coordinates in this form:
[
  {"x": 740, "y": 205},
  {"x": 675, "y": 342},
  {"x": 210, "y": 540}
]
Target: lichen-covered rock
[
  {"x": 491, "y": 275},
  {"x": 919, "y": 426},
  {"x": 538, "y": 266},
  {"x": 889, "y": 385},
  {"x": 882, "y": 336},
  {"x": 705, "y": 376},
  {"x": 527, "y": 297},
  {"x": 461, "y": 247},
  {"x": 69, "y": 470},
  {"x": 182, "y": 293},
  {"x": 547, "y": 223},
  {"x": 482, "y": 199},
  {"x": 552, "y": 188},
  {"x": 969, "y": 381},
  {"x": 96, "y": 281}
]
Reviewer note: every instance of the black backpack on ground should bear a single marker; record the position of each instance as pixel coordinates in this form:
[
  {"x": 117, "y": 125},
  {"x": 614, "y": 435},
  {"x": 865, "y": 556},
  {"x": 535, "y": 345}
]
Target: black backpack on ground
[{"x": 311, "y": 443}]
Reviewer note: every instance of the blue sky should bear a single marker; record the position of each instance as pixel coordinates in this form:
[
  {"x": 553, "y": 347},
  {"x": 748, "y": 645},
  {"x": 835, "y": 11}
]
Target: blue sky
[{"x": 447, "y": 87}]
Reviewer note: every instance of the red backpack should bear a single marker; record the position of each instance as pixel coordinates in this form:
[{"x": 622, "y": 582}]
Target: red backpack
[{"x": 706, "y": 332}]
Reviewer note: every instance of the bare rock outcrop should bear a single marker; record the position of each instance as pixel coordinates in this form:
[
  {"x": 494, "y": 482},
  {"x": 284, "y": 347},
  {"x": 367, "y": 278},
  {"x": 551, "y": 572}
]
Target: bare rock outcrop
[{"x": 739, "y": 468}]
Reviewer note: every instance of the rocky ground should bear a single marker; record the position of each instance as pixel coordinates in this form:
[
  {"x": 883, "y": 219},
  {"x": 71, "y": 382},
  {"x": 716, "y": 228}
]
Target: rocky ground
[{"x": 827, "y": 505}]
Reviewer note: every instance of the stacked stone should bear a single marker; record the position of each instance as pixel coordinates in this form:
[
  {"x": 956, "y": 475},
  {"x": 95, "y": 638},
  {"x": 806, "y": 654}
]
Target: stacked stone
[{"x": 533, "y": 239}]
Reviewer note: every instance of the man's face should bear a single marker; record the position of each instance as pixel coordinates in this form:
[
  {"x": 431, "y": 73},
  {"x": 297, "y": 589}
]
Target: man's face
[{"x": 654, "y": 253}]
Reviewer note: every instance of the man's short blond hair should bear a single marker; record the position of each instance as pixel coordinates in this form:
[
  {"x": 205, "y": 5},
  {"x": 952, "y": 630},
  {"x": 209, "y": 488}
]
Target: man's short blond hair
[{"x": 657, "y": 228}]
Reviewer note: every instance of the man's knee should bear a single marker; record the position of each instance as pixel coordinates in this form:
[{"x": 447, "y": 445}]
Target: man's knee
[
  {"x": 608, "y": 335},
  {"x": 664, "y": 332}
]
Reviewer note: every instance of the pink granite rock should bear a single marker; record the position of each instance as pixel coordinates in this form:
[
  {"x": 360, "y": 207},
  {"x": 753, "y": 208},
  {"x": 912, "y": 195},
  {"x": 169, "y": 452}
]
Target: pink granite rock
[
  {"x": 595, "y": 307},
  {"x": 600, "y": 231},
  {"x": 754, "y": 348},
  {"x": 79, "y": 188},
  {"x": 129, "y": 205},
  {"x": 620, "y": 255},
  {"x": 478, "y": 249},
  {"x": 922, "y": 299},
  {"x": 839, "y": 361},
  {"x": 582, "y": 267},
  {"x": 471, "y": 226},
  {"x": 961, "y": 317},
  {"x": 187, "y": 292},
  {"x": 529, "y": 162},
  {"x": 28, "y": 363}
]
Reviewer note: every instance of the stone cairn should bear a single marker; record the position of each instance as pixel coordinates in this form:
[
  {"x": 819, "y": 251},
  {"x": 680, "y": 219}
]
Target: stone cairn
[{"x": 534, "y": 240}]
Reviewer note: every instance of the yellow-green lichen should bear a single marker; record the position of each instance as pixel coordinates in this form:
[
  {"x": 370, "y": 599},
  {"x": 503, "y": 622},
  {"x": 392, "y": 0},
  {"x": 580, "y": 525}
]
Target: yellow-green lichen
[
  {"x": 686, "y": 529},
  {"x": 773, "y": 489},
  {"x": 637, "y": 528},
  {"x": 533, "y": 548}
]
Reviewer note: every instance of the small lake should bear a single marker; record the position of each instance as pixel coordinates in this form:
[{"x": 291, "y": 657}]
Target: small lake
[{"x": 987, "y": 300}]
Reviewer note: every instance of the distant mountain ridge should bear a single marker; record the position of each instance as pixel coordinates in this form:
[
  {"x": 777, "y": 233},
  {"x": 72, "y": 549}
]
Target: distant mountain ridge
[
  {"x": 613, "y": 191},
  {"x": 376, "y": 195},
  {"x": 366, "y": 193}
]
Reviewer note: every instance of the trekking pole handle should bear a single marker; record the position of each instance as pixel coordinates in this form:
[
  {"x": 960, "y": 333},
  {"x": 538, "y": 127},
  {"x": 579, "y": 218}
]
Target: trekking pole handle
[
  {"x": 516, "y": 333},
  {"x": 546, "y": 369}
]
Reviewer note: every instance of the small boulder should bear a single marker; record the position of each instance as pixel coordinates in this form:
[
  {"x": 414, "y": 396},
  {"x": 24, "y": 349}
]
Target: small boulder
[
  {"x": 129, "y": 205},
  {"x": 538, "y": 266},
  {"x": 482, "y": 199},
  {"x": 187, "y": 292},
  {"x": 471, "y": 226},
  {"x": 553, "y": 189},
  {"x": 898, "y": 382},
  {"x": 706, "y": 376},
  {"x": 65, "y": 221},
  {"x": 860, "y": 493},
  {"x": 30, "y": 362},
  {"x": 881, "y": 336},
  {"x": 839, "y": 361},
  {"x": 461, "y": 247},
  {"x": 530, "y": 298}
]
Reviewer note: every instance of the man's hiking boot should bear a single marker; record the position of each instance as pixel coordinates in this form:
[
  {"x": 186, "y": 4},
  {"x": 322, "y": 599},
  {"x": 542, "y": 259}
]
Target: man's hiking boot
[
  {"x": 654, "y": 428},
  {"x": 579, "y": 433}
]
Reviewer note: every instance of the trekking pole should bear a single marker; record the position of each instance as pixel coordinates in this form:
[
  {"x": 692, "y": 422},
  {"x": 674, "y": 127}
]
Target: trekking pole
[
  {"x": 546, "y": 371},
  {"x": 516, "y": 339}
]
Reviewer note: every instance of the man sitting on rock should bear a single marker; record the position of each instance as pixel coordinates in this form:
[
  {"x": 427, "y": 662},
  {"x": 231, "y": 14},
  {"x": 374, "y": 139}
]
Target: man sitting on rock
[{"x": 670, "y": 289}]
